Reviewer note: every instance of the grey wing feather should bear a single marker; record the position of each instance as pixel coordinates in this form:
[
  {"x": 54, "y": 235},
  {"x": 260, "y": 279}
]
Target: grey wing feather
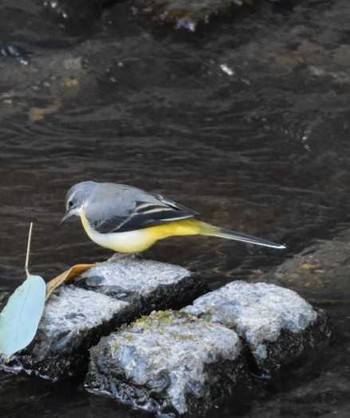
[{"x": 143, "y": 211}]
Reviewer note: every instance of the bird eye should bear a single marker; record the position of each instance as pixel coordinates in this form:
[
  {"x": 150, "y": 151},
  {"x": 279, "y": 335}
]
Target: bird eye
[{"x": 70, "y": 204}]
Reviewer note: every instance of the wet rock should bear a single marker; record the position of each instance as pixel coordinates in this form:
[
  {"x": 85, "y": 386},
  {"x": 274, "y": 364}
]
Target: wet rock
[
  {"x": 73, "y": 320},
  {"x": 173, "y": 362},
  {"x": 146, "y": 284},
  {"x": 182, "y": 13},
  {"x": 116, "y": 292},
  {"x": 179, "y": 13},
  {"x": 168, "y": 363},
  {"x": 276, "y": 323},
  {"x": 321, "y": 271}
]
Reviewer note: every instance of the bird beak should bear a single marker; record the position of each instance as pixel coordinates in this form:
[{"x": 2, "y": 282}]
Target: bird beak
[{"x": 65, "y": 217}]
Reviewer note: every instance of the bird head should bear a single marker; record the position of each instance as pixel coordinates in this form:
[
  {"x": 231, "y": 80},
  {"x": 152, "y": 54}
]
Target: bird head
[{"x": 77, "y": 198}]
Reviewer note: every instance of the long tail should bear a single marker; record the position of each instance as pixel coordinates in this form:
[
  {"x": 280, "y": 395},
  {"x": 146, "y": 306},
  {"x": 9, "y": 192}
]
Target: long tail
[{"x": 214, "y": 231}]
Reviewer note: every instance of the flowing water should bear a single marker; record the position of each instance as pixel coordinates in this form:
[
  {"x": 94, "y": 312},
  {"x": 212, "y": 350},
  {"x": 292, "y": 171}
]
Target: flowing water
[{"x": 246, "y": 121}]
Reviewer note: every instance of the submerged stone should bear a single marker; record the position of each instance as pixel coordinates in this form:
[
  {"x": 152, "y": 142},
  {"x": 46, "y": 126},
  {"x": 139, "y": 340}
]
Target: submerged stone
[
  {"x": 321, "y": 270},
  {"x": 168, "y": 363},
  {"x": 276, "y": 323},
  {"x": 116, "y": 292}
]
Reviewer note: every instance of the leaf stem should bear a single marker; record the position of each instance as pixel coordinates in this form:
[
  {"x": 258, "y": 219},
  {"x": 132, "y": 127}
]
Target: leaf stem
[{"x": 28, "y": 249}]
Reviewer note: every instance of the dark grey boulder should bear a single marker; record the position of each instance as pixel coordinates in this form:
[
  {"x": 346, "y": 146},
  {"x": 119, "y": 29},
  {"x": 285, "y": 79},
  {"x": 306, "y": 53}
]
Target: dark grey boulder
[
  {"x": 168, "y": 363},
  {"x": 276, "y": 323},
  {"x": 115, "y": 293}
]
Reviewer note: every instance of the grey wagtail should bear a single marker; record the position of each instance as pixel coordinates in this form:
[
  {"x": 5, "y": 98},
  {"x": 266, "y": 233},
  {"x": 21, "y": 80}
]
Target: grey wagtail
[{"x": 128, "y": 220}]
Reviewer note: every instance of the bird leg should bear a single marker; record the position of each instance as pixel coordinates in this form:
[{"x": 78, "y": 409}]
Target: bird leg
[{"x": 124, "y": 256}]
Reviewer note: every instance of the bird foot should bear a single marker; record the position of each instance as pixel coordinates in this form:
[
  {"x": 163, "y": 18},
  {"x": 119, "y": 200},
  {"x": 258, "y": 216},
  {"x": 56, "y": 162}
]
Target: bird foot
[{"x": 121, "y": 256}]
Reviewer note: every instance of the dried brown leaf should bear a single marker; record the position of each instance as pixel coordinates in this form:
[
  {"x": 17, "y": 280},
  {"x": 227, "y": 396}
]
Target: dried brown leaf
[{"x": 64, "y": 277}]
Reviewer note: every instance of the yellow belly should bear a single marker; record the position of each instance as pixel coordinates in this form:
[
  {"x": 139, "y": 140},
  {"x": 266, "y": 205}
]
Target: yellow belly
[{"x": 142, "y": 239}]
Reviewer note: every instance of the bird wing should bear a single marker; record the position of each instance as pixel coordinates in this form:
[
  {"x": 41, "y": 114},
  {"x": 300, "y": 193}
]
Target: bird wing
[{"x": 144, "y": 214}]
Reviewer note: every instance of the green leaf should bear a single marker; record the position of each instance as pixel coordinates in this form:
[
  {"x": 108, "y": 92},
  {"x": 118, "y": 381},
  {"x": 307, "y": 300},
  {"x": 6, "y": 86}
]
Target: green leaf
[{"x": 20, "y": 318}]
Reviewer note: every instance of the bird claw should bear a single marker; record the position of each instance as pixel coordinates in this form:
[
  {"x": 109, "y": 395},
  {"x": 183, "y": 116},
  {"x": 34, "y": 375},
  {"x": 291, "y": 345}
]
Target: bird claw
[{"x": 122, "y": 256}]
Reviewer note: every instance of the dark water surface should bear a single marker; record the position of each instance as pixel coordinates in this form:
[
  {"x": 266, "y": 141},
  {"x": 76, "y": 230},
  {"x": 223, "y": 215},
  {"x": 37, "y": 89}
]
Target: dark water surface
[{"x": 247, "y": 121}]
